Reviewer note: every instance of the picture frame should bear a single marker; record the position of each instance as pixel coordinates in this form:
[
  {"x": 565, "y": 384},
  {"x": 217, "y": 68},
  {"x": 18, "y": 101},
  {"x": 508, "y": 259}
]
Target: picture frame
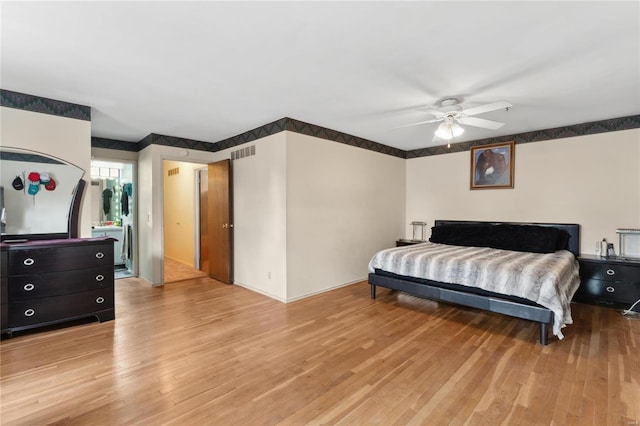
[{"x": 492, "y": 166}]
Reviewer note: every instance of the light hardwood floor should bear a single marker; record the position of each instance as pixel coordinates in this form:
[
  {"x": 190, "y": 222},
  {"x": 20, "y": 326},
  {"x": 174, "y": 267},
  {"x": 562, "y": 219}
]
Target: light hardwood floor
[
  {"x": 178, "y": 271},
  {"x": 201, "y": 352}
]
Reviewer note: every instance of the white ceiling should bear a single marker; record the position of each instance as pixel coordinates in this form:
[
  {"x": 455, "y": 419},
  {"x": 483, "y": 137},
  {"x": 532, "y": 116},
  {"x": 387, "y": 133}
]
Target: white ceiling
[{"x": 212, "y": 70}]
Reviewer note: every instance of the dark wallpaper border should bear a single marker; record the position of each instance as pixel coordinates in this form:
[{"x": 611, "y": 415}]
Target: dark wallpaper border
[
  {"x": 583, "y": 129},
  {"x": 43, "y": 105},
  {"x": 293, "y": 125},
  {"x": 33, "y": 103}
]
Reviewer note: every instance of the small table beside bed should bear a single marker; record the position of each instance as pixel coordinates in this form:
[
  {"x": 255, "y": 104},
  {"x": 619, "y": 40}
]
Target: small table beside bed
[{"x": 524, "y": 270}]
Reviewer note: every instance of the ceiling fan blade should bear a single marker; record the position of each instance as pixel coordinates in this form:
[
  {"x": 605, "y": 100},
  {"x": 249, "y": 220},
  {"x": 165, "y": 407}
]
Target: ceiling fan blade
[
  {"x": 486, "y": 108},
  {"x": 480, "y": 122},
  {"x": 418, "y": 123}
]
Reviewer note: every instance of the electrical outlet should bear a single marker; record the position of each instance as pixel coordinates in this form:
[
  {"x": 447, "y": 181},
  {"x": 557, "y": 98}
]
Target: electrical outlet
[{"x": 269, "y": 275}]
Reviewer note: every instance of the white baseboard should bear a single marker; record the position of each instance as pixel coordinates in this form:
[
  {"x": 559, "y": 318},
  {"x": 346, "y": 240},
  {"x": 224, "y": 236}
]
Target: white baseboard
[
  {"x": 304, "y": 296},
  {"x": 272, "y": 296}
]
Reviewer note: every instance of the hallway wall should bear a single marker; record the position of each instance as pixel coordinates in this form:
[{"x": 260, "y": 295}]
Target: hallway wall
[{"x": 179, "y": 210}]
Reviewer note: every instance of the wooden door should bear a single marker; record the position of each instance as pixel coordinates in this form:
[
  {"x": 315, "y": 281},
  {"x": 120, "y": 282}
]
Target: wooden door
[
  {"x": 220, "y": 212},
  {"x": 203, "y": 219}
]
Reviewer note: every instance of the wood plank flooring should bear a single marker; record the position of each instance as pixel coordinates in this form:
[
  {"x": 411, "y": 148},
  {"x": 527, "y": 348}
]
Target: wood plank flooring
[
  {"x": 178, "y": 271},
  {"x": 201, "y": 352}
]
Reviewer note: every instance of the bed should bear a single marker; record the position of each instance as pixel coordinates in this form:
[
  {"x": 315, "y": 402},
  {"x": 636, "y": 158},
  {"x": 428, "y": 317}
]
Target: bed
[{"x": 532, "y": 272}]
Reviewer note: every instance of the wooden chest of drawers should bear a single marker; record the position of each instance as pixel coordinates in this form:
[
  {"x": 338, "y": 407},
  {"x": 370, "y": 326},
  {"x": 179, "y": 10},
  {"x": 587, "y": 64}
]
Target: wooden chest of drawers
[
  {"x": 609, "y": 282},
  {"x": 48, "y": 282}
]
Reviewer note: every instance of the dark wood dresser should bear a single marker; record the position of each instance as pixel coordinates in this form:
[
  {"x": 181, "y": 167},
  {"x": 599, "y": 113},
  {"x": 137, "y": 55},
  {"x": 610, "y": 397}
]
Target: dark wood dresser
[
  {"x": 611, "y": 282},
  {"x": 53, "y": 281}
]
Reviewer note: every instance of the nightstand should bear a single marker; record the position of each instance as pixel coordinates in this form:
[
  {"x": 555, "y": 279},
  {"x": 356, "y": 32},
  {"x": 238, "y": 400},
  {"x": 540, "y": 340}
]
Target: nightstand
[
  {"x": 609, "y": 282},
  {"x": 401, "y": 243}
]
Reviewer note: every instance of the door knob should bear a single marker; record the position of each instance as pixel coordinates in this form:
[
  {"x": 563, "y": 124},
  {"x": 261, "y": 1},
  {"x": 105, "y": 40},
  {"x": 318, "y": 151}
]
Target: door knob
[{"x": 224, "y": 226}]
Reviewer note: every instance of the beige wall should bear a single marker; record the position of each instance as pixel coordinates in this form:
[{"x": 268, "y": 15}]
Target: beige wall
[
  {"x": 308, "y": 213},
  {"x": 259, "y": 213},
  {"x": 343, "y": 204},
  {"x": 260, "y": 217},
  {"x": 113, "y": 154},
  {"x": 590, "y": 180},
  {"x": 179, "y": 211},
  {"x": 66, "y": 138}
]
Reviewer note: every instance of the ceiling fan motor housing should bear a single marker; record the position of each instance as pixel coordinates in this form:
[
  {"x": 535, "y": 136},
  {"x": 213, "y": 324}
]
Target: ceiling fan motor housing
[{"x": 450, "y": 105}]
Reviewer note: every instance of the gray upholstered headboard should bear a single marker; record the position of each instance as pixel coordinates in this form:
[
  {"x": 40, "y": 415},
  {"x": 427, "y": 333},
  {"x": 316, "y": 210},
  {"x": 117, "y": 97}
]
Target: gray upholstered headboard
[{"x": 573, "y": 229}]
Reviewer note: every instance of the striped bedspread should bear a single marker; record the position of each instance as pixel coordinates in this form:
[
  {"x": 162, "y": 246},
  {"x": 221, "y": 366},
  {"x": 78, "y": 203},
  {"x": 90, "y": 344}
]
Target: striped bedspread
[{"x": 550, "y": 280}]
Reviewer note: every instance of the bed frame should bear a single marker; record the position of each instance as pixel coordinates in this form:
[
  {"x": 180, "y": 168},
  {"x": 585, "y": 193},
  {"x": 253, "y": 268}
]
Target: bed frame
[{"x": 488, "y": 301}]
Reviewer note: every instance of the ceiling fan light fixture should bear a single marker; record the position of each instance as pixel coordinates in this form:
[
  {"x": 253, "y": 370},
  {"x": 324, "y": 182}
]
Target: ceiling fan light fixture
[{"x": 449, "y": 131}]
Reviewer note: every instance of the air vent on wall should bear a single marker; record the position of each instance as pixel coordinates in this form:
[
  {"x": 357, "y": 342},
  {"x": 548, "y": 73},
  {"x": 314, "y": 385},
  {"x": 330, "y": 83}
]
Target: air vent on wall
[
  {"x": 243, "y": 152},
  {"x": 173, "y": 172}
]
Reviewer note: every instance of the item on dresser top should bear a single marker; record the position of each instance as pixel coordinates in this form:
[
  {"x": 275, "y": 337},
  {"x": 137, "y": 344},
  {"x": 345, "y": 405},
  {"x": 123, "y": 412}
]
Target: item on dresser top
[
  {"x": 629, "y": 243},
  {"x": 418, "y": 231},
  {"x": 603, "y": 248}
]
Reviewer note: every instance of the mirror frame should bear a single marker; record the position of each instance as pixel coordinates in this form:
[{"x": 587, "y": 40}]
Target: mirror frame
[{"x": 73, "y": 222}]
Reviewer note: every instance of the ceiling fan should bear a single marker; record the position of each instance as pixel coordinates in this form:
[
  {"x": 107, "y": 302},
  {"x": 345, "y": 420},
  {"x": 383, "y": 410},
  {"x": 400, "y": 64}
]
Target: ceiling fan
[{"x": 452, "y": 115}]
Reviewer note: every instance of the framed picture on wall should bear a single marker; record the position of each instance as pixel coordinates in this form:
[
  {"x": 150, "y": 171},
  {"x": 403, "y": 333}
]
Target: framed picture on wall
[{"x": 492, "y": 166}]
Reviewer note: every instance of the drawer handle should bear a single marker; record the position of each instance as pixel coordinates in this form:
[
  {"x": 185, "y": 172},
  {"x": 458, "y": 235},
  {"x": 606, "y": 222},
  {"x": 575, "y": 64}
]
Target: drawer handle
[
  {"x": 29, "y": 261},
  {"x": 29, "y": 313},
  {"x": 610, "y": 289},
  {"x": 99, "y": 255},
  {"x": 99, "y": 277},
  {"x": 29, "y": 287},
  {"x": 100, "y": 299},
  {"x": 610, "y": 272}
]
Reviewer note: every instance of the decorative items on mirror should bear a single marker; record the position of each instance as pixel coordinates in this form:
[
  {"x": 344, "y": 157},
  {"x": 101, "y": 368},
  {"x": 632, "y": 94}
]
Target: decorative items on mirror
[
  {"x": 41, "y": 196},
  {"x": 18, "y": 183},
  {"x": 34, "y": 180}
]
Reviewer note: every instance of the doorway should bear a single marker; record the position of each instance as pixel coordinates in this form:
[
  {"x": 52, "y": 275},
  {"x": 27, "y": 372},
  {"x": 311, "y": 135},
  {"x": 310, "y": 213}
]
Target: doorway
[
  {"x": 113, "y": 211},
  {"x": 179, "y": 213},
  {"x": 197, "y": 217}
]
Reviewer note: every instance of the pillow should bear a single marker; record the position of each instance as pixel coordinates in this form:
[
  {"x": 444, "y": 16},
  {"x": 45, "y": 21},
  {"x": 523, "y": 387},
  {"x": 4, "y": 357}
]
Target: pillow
[
  {"x": 563, "y": 240},
  {"x": 461, "y": 235},
  {"x": 528, "y": 238}
]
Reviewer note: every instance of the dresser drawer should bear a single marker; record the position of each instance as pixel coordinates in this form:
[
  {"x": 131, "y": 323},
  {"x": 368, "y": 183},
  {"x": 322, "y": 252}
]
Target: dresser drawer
[
  {"x": 610, "y": 271},
  {"x": 39, "y": 311},
  {"x": 34, "y": 286},
  {"x": 4, "y": 290},
  {"x": 4, "y": 316},
  {"x": 608, "y": 290},
  {"x": 52, "y": 259},
  {"x": 4, "y": 263}
]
